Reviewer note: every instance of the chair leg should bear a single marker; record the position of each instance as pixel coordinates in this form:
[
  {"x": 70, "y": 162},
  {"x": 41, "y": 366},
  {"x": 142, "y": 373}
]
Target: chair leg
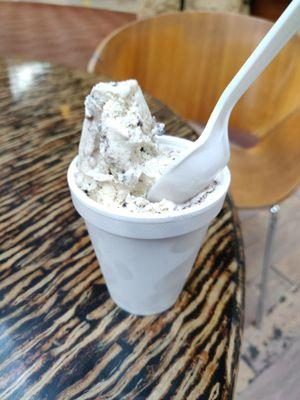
[
  {"x": 274, "y": 211},
  {"x": 182, "y": 5}
]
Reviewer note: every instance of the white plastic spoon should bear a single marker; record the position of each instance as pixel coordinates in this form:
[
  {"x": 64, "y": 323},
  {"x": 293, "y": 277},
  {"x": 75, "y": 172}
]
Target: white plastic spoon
[{"x": 210, "y": 153}]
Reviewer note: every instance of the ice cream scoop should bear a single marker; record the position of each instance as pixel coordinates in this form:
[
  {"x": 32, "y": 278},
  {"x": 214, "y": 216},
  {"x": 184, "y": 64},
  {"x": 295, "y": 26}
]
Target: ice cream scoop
[
  {"x": 198, "y": 165},
  {"x": 120, "y": 154}
]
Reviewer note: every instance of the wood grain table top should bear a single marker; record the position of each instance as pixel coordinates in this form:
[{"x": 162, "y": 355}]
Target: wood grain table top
[{"x": 61, "y": 336}]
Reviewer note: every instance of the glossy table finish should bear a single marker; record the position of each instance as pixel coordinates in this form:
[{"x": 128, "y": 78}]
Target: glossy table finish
[{"x": 61, "y": 336}]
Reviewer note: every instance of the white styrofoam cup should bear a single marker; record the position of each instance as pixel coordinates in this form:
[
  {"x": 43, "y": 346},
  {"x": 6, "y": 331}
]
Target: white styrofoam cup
[{"x": 145, "y": 259}]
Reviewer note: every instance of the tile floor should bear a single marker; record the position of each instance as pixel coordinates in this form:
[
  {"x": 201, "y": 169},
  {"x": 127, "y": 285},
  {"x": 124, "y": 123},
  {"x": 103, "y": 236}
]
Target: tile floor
[
  {"x": 265, "y": 352},
  {"x": 129, "y": 6},
  {"x": 59, "y": 34}
]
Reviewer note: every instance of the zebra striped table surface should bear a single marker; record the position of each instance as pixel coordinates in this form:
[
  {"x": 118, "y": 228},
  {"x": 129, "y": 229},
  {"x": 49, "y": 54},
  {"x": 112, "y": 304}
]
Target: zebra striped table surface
[{"x": 61, "y": 336}]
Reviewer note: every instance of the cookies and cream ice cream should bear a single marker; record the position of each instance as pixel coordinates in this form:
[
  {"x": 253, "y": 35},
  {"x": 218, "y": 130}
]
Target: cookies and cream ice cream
[{"x": 119, "y": 156}]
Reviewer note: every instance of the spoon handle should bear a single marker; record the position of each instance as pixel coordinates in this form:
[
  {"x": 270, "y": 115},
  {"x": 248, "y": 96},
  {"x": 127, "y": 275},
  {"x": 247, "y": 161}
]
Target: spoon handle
[{"x": 280, "y": 33}]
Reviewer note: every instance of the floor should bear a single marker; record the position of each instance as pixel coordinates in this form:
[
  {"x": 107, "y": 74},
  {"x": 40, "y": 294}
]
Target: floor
[
  {"x": 270, "y": 361},
  {"x": 63, "y": 35},
  {"x": 130, "y": 6},
  {"x": 272, "y": 354}
]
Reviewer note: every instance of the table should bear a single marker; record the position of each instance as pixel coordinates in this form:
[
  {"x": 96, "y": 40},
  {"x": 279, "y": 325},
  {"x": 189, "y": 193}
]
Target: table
[{"x": 61, "y": 336}]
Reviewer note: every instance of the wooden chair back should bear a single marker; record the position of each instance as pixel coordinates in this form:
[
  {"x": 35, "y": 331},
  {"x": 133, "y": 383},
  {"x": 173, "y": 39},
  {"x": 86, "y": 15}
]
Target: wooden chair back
[{"x": 187, "y": 59}]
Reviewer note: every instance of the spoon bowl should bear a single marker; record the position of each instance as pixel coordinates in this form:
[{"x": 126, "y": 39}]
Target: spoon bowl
[{"x": 209, "y": 154}]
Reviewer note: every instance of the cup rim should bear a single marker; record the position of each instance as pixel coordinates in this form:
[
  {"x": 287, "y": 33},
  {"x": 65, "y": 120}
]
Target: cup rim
[{"x": 126, "y": 215}]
